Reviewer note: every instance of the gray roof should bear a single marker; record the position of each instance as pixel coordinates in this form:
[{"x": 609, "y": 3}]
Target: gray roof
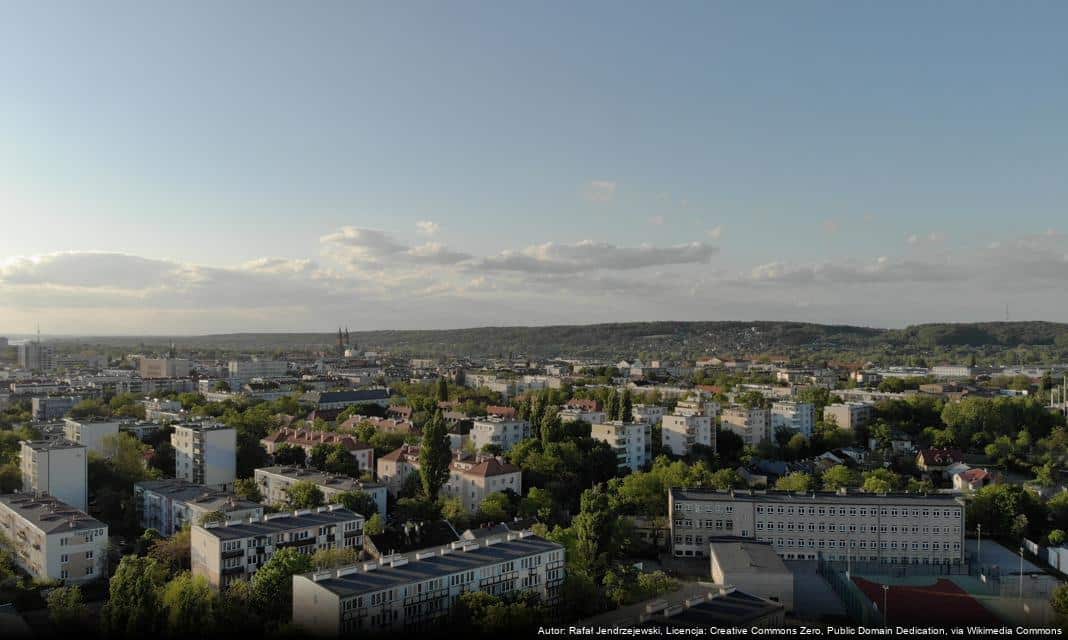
[
  {"x": 58, "y": 443},
  {"x": 322, "y": 478},
  {"x": 358, "y": 395},
  {"x": 360, "y": 581},
  {"x": 279, "y": 523},
  {"x": 733, "y": 609},
  {"x": 743, "y": 555},
  {"x": 49, "y": 514},
  {"x": 198, "y": 495},
  {"x": 816, "y": 497}
]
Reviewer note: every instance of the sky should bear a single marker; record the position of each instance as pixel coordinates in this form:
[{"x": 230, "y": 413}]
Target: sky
[{"x": 204, "y": 167}]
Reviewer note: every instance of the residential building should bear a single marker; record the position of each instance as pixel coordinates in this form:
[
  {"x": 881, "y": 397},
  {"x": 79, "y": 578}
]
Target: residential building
[
  {"x": 164, "y": 368},
  {"x": 49, "y": 408},
  {"x": 692, "y": 423},
  {"x": 499, "y": 432},
  {"x": 90, "y": 432},
  {"x": 416, "y": 592},
  {"x": 849, "y": 415},
  {"x": 168, "y": 505},
  {"x": 362, "y": 453},
  {"x": 753, "y": 424},
  {"x": 51, "y": 540},
  {"x": 57, "y": 468},
  {"x": 471, "y": 478},
  {"x": 205, "y": 453},
  {"x": 223, "y": 553},
  {"x": 632, "y": 441},
  {"x": 163, "y": 410},
  {"x": 897, "y": 528},
  {"x": 344, "y": 399},
  {"x": 972, "y": 480},
  {"x": 274, "y": 483},
  {"x": 36, "y": 356},
  {"x": 752, "y": 567},
  {"x": 799, "y": 417},
  {"x": 244, "y": 371},
  {"x": 648, "y": 413},
  {"x": 938, "y": 460}
]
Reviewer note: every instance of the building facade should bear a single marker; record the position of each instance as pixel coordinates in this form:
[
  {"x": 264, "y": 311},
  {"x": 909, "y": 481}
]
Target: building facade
[
  {"x": 471, "y": 478},
  {"x": 57, "y": 468},
  {"x": 692, "y": 423},
  {"x": 205, "y": 453},
  {"x": 632, "y": 441},
  {"x": 799, "y": 417},
  {"x": 848, "y": 415},
  {"x": 500, "y": 432},
  {"x": 753, "y": 424},
  {"x": 48, "y": 408},
  {"x": 89, "y": 432},
  {"x": 51, "y": 540},
  {"x": 274, "y": 484},
  {"x": 417, "y": 591},
  {"x": 168, "y": 505},
  {"x": 223, "y": 553},
  {"x": 900, "y": 528}
]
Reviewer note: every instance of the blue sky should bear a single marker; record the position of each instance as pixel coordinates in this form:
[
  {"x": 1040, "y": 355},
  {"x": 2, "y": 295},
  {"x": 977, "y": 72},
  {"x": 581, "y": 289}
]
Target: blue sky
[{"x": 876, "y": 163}]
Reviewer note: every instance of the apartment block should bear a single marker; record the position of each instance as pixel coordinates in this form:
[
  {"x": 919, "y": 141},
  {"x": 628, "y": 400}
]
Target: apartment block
[
  {"x": 36, "y": 356},
  {"x": 57, "y": 468},
  {"x": 274, "y": 484},
  {"x": 51, "y": 540},
  {"x": 168, "y": 505},
  {"x": 164, "y": 368},
  {"x": 362, "y": 453},
  {"x": 48, "y": 408},
  {"x": 849, "y": 415},
  {"x": 691, "y": 423},
  {"x": 649, "y": 413},
  {"x": 223, "y": 553},
  {"x": 900, "y": 528},
  {"x": 414, "y": 592},
  {"x": 799, "y": 417},
  {"x": 632, "y": 441},
  {"x": 752, "y": 424},
  {"x": 501, "y": 432},
  {"x": 471, "y": 478},
  {"x": 205, "y": 453},
  {"x": 90, "y": 432}
]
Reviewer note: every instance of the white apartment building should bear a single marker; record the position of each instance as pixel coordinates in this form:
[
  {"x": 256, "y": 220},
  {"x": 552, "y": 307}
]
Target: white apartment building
[
  {"x": 51, "y": 540},
  {"x": 274, "y": 484},
  {"x": 57, "y": 468},
  {"x": 500, "y": 432},
  {"x": 48, "y": 408},
  {"x": 900, "y": 528},
  {"x": 692, "y": 422},
  {"x": 244, "y": 371},
  {"x": 164, "y": 368},
  {"x": 848, "y": 415},
  {"x": 648, "y": 413},
  {"x": 752, "y": 424},
  {"x": 223, "y": 553},
  {"x": 795, "y": 416},
  {"x": 205, "y": 453},
  {"x": 36, "y": 356},
  {"x": 89, "y": 432},
  {"x": 416, "y": 591},
  {"x": 471, "y": 478},
  {"x": 168, "y": 505},
  {"x": 632, "y": 441},
  {"x": 574, "y": 414}
]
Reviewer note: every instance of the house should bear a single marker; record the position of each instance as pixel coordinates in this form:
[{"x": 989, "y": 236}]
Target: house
[
  {"x": 972, "y": 480},
  {"x": 471, "y": 478},
  {"x": 362, "y": 453},
  {"x": 937, "y": 460}
]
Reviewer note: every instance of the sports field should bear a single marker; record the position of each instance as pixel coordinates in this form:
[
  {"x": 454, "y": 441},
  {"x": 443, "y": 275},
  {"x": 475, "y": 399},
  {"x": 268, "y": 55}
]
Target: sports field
[{"x": 939, "y": 602}]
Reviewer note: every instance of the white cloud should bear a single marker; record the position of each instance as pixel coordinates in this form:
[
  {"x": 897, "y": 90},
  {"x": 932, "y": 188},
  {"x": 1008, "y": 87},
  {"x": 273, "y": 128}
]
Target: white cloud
[
  {"x": 588, "y": 255},
  {"x": 427, "y": 228}
]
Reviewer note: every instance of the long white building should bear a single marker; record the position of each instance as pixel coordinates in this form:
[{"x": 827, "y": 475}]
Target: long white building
[
  {"x": 500, "y": 432},
  {"x": 414, "y": 592},
  {"x": 169, "y": 505},
  {"x": 57, "y": 468},
  {"x": 274, "y": 484}
]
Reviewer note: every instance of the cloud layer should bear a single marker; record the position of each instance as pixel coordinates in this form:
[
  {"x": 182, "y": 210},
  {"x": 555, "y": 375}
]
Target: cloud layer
[{"x": 374, "y": 278}]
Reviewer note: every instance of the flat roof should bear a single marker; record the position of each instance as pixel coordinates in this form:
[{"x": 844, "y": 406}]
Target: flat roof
[
  {"x": 277, "y": 523},
  {"x": 49, "y": 514},
  {"x": 334, "y": 481},
  {"x": 202, "y": 496},
  {"x": 940, "y": 500},
  {"x": 58, "y": 443},
  {"x": 733, "y": 609},
  {"x": 361, "y": 581}
]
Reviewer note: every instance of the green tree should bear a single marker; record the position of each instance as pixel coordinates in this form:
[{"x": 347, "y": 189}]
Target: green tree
[
  {"x": 190, "y": 607},
  {"x": 435, "y": 456},
  {"x": 304, "y": 495},
  {"x": 248, "y": 489},
  {"x": 360, "y": 502},
  {"x": 133, "y": 607},
  {"x": 442, "y": 394},
  {"x": 626, "y": 406},
  {"x": 495, "y": 507},
  {"x": 838, "y": 477},
  {"x": 374, "y": 525},
  {"x": 66, "y": 608},
  {"x": 796, "y": 482},
  {"x": 880, "y": 481},
  {"x": 593, "y": 531},
  {"x": 273, "y": 583},
  {"x": 1056, "y": 537}
]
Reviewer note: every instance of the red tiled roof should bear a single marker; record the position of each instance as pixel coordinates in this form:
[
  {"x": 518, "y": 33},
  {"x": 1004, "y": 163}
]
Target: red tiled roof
[
  {"x": 504, "y": 412},
  {"x": 584, "y": 405}
]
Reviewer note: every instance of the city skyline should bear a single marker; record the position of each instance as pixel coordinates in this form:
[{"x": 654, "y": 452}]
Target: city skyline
[{"x": 261, "y": 167}]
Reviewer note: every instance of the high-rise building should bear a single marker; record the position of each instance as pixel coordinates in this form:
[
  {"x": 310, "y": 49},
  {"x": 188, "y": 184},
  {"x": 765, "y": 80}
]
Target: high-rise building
[
  {"x": 795, "y": 416},
  {"x": 205, "y": 453},
  {"x": 57, "y": 468},
  {"x": 49, "y": 408},
  {"x": 692, "y": 423},
  {"x": 37, "y": 356},
  {"x": 164, "y": 368},
  {"x": 753, "y": 424},
  {"x": 52, "y": 540},
  {"x": 631, "y": 441}
]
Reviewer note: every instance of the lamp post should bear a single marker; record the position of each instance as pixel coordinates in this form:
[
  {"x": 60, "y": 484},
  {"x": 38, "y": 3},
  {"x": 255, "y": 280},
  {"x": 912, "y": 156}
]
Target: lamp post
[
  {"x": 1021, "y": 572},
  {"x": 979, "y": 542},
  {"x": 886, "y": 616}
]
